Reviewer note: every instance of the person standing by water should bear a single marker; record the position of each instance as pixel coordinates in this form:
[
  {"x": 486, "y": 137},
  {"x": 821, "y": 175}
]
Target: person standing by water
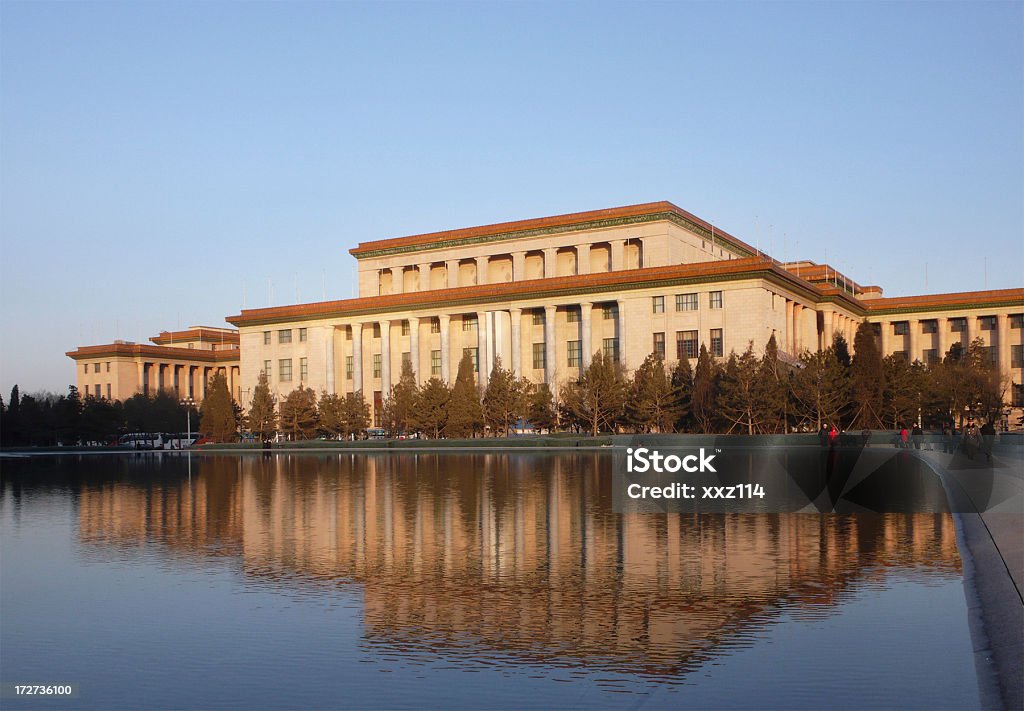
[
  {"x": 972, "y": 439},
  {"x": 948, "y": 446},
  {"x": 918, "y": 436},
  {"x": 988, "y": 439},
  {"x": 904, "y": 439}
]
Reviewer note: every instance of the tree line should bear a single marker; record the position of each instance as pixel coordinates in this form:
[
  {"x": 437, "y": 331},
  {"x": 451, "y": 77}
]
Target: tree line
[{"x": 743, "y": 394}]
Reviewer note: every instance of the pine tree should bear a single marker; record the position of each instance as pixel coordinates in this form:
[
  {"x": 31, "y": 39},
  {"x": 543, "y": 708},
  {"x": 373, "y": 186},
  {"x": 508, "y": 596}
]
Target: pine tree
[
  {"x": 465, "y": 416},
  {"x": 398, "y": 404},
  {"x": 902, "y": 388},
  {"x": 652, "y": 404},
  {"x": 867, "y": 379},
  {"x": 217, "y": 415},
  {"x": 820, "y": 388},
  {"x": 773, "y": 388},
  {"x": 682, "y": 387},
  {"x": 262, "y": 418},
  {"x": 298, "y": 414},
  {"x": 331, "y": 408},
  {"x": 740, "y": 394},
  {"x": 598, "y": 398},
  {"x": 504, "y": 400},
  {"x": 705, "y": 391},
  {"x": 431, "y": 408},
  {"x": 355, "y": 414},
  {"x": 541, "y": 408}
]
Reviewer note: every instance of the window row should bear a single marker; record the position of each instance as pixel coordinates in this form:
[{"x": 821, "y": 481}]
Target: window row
[
  {"x": 957, "y": 324},
  {"x": 687, "y": 302},
  {"x": 284, "y": 370},
  {"x": 284, "y": 335},
  {"x": 95, "y": 367}
]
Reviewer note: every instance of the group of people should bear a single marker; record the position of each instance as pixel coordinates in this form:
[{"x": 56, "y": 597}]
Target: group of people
[
  {"x": 912, "y": 438},
  {"x": 976, "y": 439}
]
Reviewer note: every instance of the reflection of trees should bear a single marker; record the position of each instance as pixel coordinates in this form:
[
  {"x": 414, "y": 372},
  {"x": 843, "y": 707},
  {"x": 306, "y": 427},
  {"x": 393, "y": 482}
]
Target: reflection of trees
[{"x": 515, "y": 555}]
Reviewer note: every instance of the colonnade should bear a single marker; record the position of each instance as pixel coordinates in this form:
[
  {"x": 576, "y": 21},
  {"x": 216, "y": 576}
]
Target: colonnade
[{"x": 184, "y": 379}]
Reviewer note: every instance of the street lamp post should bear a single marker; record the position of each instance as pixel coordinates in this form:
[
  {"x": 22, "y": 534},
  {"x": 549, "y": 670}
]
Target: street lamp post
[{"x": 189, "y": 403}]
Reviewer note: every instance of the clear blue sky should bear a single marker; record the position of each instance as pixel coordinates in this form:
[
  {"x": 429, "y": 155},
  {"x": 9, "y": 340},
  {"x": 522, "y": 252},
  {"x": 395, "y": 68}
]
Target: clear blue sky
[{"x": 160, "y": 161}]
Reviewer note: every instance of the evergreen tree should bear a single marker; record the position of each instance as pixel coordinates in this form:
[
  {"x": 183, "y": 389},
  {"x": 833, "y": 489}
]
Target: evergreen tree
[
  {"x": 541, "y": 408},
  {"x": 505, "y": 400},
  {"x": 398, "y": 404},
  {"x": 682, "y": 387},
  {"x": 355, "y": 414},
  {"x": 653, "y": 403},
  {"x": 217, "y": 415},
  {"x": 901, "y": 394},
  {"x": 10, "y": 431},
  {"x": 740, "y": 395},
  {"x": 465, "y": 416},
  {"x": 597, "y": 399},
  {"x": 331, "y": 409},
  {"x": 69, "y": 417},
  {"x": 773, "y": 388},
  {"x": 820, "y": 387},
  {"x": 841, "y": 349},
  {"x": 262, "y": 418},
  {"x": 298, "y": 414},
  {"x": 431, "y": 409},
  {"x": 705, "y": 391},
  {"x": 867, "y": 379}
]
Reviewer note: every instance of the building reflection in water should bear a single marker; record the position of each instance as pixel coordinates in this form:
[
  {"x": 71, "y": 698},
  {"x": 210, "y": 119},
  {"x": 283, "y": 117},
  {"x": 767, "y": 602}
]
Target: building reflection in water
[{"x": 513, "y": 557}]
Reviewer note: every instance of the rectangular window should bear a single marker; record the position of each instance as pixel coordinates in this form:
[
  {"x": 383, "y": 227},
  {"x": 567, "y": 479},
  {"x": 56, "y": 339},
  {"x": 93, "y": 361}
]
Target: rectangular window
[
  {"x": 659, "y": 345},
  {"x": 302, "y": 335},
  {"x": 686, "y": 302},
  {"x": 350, "y": 367},
  {"x": 539, "y": 356},
  {"x": 610, "y": 349},
  {"x": 108, "y": 391},
  {"x": 715, "y": 299},
  {"x": 902, "y": 354},
  {"x": 474, "y": 355},
  {"x": 901, "y": 328},
  {"x": 572, "y": 315},
  {"x": 1017, "y": 356},
  {"x": 435, "y": 363},
  {"x": 538, "y": 317},
  {"x": 573, "y": 350},
  {"x": 1016, "y": 320},
  {"x": 108, "y": 366},
  {"x": 1018, "y": 395},
  {"x": 303, "y": 369},
  {"x": 85, "y": 368},
  {"x": 469, "y": 323},
  {"x": 405, "y": 327},
  {"x": 987, "y": 323},
  {"x": 266, "y": 338},
  {"x": 266, "y": 368},
  {"x": 958, "y": 325},
  {"x": 377, "y": 362},
  {"x": 348, "y": 333},
  {"x": 435, "y": 325},
  {"x": 284, "y": 336},
  {"x": 991, "y": 355},
  {"x": 95, "y": 367},
  {"x": 376, "y": 330},
  {"x": 931, "y": 356},
  {"x": 658, "y": 304},
  {"x": 609, "y": 311},
  {"x": 284, "y": 370},
  {"x": 876, "y": 329},
  {"x": 407, "y": 358},
  {"x": 686, "y": 344},
  {"x": 717, "y": 345},
  {"x": 98, "y": 392},
  {"x": 929, "y": 326}
]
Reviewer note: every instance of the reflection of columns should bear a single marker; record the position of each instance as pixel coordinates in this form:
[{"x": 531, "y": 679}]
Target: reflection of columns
[
  {"x": 550, "y": 371},
  {"x": 481, "y": 270},
  {"x": 942, "y": 328},
  {"x": 444, "y": 321},
  {"x": 329, "y": 359},
  {"x": 586, "y": 341},
  {"x": 518, "y": 266},
  {"x": 424, "y": 277},
  {"x": 618, "y": 254},
  {"x": 621, "y": 330},
  {"x": 481, "y": 347},
  {"x": 414, "y": 346},
  {"x": 583, "y": 259},
  {"x": 886, "y": 337},
  {"x": 451, "y": 268},
  {"x": 385, "y": 357},
  {"x": 914, "y": 326},
  {"x": 790, "y": 332},
  {"x": 550, "y": 262},
  {"x": 357, "y": 357},
  {"x": 397, "y": 280},
  {"x": 516, "y": 316},
  {"x": 1003, "y": 344}
]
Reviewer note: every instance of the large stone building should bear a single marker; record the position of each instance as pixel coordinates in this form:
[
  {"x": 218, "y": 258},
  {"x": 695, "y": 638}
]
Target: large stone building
[
  {"x": 180, "y": 361},
  {"x": 544, "y": 295}
]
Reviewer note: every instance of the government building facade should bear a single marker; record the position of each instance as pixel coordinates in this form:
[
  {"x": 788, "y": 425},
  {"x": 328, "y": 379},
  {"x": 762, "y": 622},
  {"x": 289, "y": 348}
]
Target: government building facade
[{"x": 544, "y": 295}]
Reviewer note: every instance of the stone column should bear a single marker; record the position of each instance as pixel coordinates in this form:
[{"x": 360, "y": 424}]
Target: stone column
[
  {"x": 142, "y": 378},
  {"x": 516, "y": 317},
  {"x": 1003, "y": 343},
  {"x": 942, "y": 328},
  {"x": 586, "y": 340},
  {"x": 620, "y": 331},
  {"x": 550, "y": 262},
  {"x": 518, "y": 266},
  {"x": 385, "y": 357},
  {"x": 828, "y": 321},
  {"x": 583, "y": 259},
  {"x": 424, "y": 276},
  {"x": 481, "y": 347},
  {"x": 971, "y": 321},
  {"x": 790, "y": 333},
  {"x": 414, "y": 346},
  {"x": 451, "y": 268},
  {"x": 550, "y": 363},
  {"x": 481, "y": 269},
  {"x": 886, "y": 338},
  {"x": 914, "y": 326},
  {"x": 618, "y": 254},
  {"x": 798, "y": 341},
  {"x": 190, "y": 391},
  {"x": 444, "y": 320},
  {"x": 328, "y": 332},
  {"x": 357, "y": 358},
  {"x": 397, "y": 280}
]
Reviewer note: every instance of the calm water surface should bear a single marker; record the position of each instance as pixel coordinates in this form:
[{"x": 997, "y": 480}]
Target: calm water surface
[{"x": 447, "y": 580}]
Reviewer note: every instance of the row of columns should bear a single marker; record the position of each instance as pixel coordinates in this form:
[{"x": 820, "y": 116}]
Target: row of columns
[
  {"x": 550, "y": 257},
  {"x": 490, "y": 334},
  {"x": 942, "y": 339},
  {"x": 184, "y": 380}
]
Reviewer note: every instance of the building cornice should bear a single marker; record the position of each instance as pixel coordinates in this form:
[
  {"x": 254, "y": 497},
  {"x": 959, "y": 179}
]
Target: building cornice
[
  {"x": 197, "y": 333},
  {"x": 960, "y": 301},
  {"x": 558, "y": 224},
  {"x": 138, "y": 350}
]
